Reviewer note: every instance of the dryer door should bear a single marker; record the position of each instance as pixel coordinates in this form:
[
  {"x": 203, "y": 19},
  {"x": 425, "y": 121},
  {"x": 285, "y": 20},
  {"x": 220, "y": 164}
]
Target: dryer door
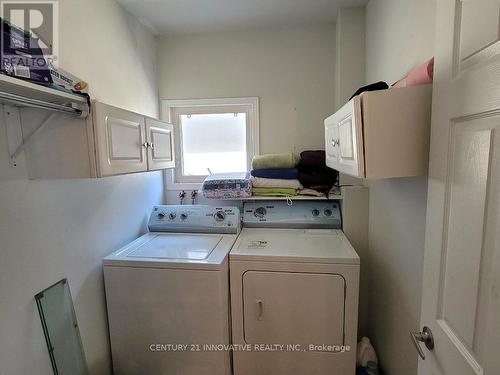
[{"x": 293, "y": 308}]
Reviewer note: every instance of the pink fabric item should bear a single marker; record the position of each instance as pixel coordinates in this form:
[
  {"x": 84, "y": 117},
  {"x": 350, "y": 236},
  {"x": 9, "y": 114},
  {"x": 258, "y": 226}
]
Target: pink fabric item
[{"x": 421, "y": 75}]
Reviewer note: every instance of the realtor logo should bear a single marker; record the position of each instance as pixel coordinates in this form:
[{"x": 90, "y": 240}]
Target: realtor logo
[{"x": 29, "y": 34}]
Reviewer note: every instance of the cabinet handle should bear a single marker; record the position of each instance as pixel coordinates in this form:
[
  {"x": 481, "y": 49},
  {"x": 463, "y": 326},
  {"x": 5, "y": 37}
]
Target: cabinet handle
[
  {"x": 335, "y": 142},
  {"x": 261, "y": 309},
  {"x": 152, "y": 146},
  {"x": 146, "y": 145}
]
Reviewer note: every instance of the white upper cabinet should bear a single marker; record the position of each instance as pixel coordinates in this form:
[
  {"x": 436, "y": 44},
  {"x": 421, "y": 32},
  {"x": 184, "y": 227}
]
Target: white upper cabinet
[
  {"x": 344, "y": 141},
  {"x": 127, "y": 142},
  {"x": 160, "y": 140},
  {"x": 381, "y": 134},
  {"x": 120, "y": 138},
  {"x": 110, "y": 141}
]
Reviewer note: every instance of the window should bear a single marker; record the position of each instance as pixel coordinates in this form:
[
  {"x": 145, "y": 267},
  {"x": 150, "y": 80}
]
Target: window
[{"x": 212, "y": 136}]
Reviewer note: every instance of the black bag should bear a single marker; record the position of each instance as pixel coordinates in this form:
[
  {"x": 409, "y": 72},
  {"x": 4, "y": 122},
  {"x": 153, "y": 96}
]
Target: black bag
[{"x": 381, "y": 85}]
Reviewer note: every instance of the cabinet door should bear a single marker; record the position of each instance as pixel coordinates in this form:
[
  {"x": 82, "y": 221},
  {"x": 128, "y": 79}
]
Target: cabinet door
[
  {"x": 350, "y": 139},
  {"x": 120, "y": 140},
  {"x": 345, "y": 139},
  {"x": 161, "y": 144},
  {"x": 331, "y": 139},
  {"x": 279, "y": 308}
]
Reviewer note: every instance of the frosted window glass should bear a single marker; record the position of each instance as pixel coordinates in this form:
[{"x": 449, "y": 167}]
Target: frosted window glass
[
  {"x": 57, "y": 314},
  {"x": 215, "y": 142}
]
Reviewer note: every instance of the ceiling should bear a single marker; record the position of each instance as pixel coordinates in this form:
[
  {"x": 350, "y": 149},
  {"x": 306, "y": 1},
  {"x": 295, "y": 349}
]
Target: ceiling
[{"x": 202, "y": 16}]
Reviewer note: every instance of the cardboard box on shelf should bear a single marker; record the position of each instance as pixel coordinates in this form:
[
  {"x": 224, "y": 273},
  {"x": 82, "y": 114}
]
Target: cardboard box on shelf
[
  {"x": 68, "y": 82},
  {"x": 21, "y": 55}
]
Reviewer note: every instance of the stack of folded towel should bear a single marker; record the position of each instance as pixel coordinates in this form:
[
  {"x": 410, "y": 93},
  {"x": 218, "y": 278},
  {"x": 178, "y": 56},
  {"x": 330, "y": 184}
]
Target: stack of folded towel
[{"x": 275, "y": 175}]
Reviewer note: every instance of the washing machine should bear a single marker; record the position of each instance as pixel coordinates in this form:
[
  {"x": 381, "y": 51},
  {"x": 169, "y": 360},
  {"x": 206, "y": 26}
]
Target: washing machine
[
  {"x": 167, "y": 293},
  {"x": 294, "y": 291}
]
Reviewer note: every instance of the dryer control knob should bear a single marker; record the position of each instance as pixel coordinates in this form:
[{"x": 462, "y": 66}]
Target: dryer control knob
[
  {"x": 161, "y": 215},
  {"x": 328, "y": 212},
  {"x": 315, "y": 212},
  {"x": 184, "y": 216},
  {"x": 220, "y": 216},
  {"x": 172, "y": 215},
  {"x": 260, "y": 212}
]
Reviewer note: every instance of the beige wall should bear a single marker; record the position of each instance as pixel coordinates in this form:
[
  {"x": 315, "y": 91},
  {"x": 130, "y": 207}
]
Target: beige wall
[
  {"x": 63, "y": 228},
  {"x": 399, "y": 36},
  {"x": 291, "y": 70}
]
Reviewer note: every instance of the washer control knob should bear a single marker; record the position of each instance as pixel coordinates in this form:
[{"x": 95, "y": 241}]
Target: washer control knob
[
  {"x": 184, "y": 216},
  {"x": 328, "y": 212},
  {"x": 260, "y": 212},
  {"x": 315, "y": 212},
  {"x": 220, "y": 216},
  {"x": 172, "y": 215},
  {"x": 161, "y": 215}
]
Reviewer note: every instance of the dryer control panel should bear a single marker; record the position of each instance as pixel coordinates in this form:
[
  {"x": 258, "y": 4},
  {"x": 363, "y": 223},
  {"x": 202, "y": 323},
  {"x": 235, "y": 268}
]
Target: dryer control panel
[
  {"x": 300, "y": 214},
  {"x": 194, "y": 219}
]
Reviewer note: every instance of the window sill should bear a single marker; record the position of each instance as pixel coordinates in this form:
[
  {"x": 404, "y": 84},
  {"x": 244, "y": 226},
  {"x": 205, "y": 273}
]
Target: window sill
[
  {"x": 182, "y": 186},
  {"x": 171, "y": 185}
]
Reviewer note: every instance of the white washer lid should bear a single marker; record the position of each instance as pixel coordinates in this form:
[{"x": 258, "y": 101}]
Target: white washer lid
[
  {"x": 294, "y": 245},
  {"x": 174, "y": 250},
  {"x": 177, "y": 246}
]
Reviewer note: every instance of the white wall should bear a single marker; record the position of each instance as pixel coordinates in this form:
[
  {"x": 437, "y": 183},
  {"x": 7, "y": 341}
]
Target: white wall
[
  {"x": 350, "y": 64},
  {"x": 106, "y": 46},
  {"x": 52, "y": 229},
  {"x": 291, "y": 70},
  {"x": 399, "y": 36},
  {"x": 349, "y": 76}
]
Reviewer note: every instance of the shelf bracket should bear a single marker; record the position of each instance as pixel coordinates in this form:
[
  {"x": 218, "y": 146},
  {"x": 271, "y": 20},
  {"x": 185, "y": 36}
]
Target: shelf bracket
[
  {"x": 24, "y": 143},
  {"x": 13, "y": 131}
]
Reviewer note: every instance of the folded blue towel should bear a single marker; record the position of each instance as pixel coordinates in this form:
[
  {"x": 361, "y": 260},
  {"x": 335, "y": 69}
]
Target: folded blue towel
[{"x": 283, "y": 173}]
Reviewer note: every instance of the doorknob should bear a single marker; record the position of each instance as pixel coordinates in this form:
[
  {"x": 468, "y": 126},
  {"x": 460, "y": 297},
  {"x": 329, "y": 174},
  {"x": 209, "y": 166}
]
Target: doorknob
[{"x": 426, "y": 337}]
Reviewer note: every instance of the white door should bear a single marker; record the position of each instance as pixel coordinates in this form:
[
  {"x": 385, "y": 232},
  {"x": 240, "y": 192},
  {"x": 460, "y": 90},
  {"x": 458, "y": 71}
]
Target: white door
[
  {"x": 120, "y": 140},
  {"x": 461, "y": 288},
  {"x": 160, "y": 140}
]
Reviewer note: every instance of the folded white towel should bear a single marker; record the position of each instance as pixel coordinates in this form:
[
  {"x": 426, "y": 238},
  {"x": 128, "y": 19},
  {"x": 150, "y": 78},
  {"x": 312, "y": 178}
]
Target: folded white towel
[{"x": 275, "y": 183}]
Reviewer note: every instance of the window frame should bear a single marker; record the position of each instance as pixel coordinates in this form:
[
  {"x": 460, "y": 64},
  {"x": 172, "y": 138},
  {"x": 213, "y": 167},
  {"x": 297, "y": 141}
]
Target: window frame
[{"x": 171, "y": 109}]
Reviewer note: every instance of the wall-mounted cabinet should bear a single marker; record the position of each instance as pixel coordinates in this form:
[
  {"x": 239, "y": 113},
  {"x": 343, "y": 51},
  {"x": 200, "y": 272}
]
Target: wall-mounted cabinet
[
  {"x": 110, "y": 141},
  {"x": 127, "y": 142},
  {"x": 381, "y": 134}
]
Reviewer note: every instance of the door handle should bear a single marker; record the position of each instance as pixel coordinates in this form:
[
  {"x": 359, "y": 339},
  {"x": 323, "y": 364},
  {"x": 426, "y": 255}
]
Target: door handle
[
  {"x": 426, "y": 337},
  {"x": 260, "y": 304},
  {"x": 335, "y": 142}
]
